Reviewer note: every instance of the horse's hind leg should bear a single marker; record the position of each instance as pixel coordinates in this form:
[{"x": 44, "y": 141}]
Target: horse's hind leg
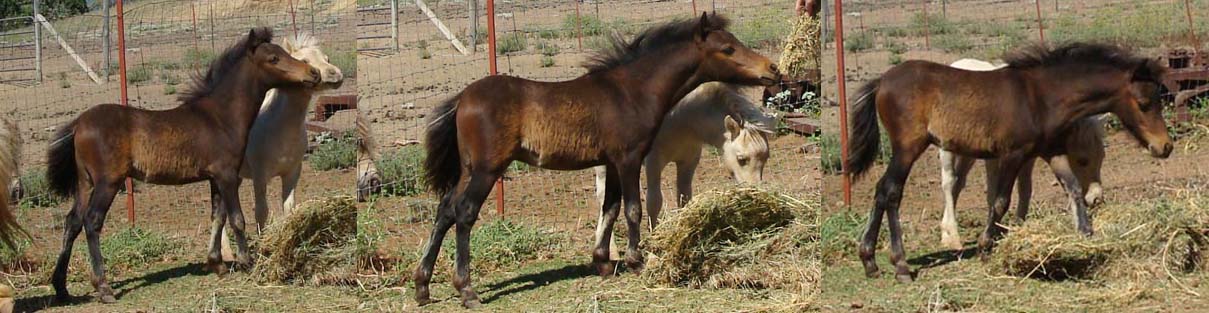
[
  {"x": 481, "y": 181},
  {"x": 73, "y": 225},
  {"x": 888, "y": 198},
  {"x": 1074, "y": 192},
  {"x": 94, "y": 221},
  {"x": 953, "y": 171},
  {"x": 1008, "y": 168},
  {"x": 228, "y": 189},
  {"x": 632, "y": 199},
  {"x": 444, "y": 219},
  {"x": 610, "y": 207},
  {"x": 289, "y": 185},
  {"x": 260, "y": 209},
  {"x": 218, "y": 233},
  {"x": 654, "y": 189}
]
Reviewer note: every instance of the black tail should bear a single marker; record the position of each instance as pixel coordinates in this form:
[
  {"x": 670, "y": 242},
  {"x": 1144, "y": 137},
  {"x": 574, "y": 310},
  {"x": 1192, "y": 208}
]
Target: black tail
[
  {"x": 61, "y": 169},
  {"x": 865, "y": 138},
  {"x": 443, "y": 163}
]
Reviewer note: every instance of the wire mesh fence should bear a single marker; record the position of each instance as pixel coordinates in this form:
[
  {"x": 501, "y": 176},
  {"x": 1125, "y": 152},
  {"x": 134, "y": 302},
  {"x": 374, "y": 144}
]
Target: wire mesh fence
[
  {"x": 167, "y": 44},
  {"x": 543, "y": 41}
]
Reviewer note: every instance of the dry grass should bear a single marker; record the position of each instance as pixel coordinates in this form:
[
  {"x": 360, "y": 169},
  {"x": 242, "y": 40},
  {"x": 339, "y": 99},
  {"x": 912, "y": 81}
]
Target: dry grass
[
  {"x": 314, "y": 245},
  {"x": 1135, "y": 243},
  {"x": 801, "y": 51},
  {"x": 739, "y": 238}
]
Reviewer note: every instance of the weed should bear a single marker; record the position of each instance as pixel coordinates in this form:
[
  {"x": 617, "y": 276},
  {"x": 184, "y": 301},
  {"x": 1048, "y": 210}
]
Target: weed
[
  {"x": 37, "y": 190},
  {"x": 829, "y": 153},
  {"x": 547, "y": 61},
  {"x": 512, "y": 42},
  {"x": 336, "y": 154},
  {"x": 402, "y": 171},
  {"x": 860, "y": 42}
]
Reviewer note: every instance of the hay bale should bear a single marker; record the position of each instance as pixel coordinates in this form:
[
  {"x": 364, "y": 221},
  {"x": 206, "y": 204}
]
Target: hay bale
[
  {"x": 801, "y": 56},
  {"x": 1152, "y": 239},
  {"x": 313, "y": 244},
  {"x": 737, "y": 238}
]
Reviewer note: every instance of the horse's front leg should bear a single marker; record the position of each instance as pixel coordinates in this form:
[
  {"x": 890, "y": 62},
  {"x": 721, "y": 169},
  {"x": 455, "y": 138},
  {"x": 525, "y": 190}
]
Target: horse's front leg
[
  {"x": 610, "y": 207},
  {"x": 629, "y": 172},
  {"x": 1074, "y": 192},
  {"x": 953, "y": 171},
  {"x": 228, "y": 189},
  {"x": 1024, "y": 192},
  {"x": 260, "y": 194},
  {"x": 94, "y": 221},
  {"x": 1008, "y": 168},
  {"x": 601, "y": 183},
  {"x": 289, "y": 187},
  {"x": 684, "y": 180}
]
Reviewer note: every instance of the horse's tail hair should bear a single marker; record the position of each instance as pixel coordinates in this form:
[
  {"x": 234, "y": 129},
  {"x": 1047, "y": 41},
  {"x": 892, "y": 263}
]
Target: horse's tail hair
[
  {"x": 443, "y": 164},
  {"x": 61, "y": 169},
  {"x": 366, "y": 145},
  {"x": 10, "y": 156},
  {"x": 865, "y": 135}
]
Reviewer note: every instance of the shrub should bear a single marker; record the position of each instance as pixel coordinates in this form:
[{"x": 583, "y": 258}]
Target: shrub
[
  {"x": 335, "y": 154},
  {"x": 860, "y": 42},
  {"x": 512, "y": 42},
  {"x": 591, "y": 25},
  {"x": 37, "y": 190},
  {"x": 953, "y": 43},
  {"x": 547, "y": 61},
  {"x": 198, "y": 58},
  {"x": 140, "y": 73},
  {"x": 402, "y": 171},
  {"x": 345, "y": 60}
]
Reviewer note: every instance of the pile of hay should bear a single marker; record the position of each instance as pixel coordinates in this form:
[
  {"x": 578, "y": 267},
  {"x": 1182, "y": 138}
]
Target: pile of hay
[
  {"x": 737, "y": 238},
  {"x": 1156, "y": 239},
  {"x": 314, "y": 244},
  {"x": 801, "y": 56}
]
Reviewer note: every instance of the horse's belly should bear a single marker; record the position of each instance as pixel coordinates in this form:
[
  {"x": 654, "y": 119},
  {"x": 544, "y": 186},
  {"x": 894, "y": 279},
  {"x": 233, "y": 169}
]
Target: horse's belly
[
  {"x": 167, "y": 162},
  {"x": 561, "y": 147}
]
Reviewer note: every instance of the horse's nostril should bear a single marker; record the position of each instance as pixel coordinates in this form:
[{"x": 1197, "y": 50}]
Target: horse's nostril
[{"x": 773, "y": 67}]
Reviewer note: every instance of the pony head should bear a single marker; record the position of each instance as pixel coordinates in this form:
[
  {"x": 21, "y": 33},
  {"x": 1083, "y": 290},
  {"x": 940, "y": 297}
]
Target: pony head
[
  {"x": 745, "y": 150},
  {"x": 305, "y": 48}
]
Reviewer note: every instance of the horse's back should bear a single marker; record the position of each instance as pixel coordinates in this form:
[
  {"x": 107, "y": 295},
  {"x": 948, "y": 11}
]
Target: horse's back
[{"x": 161, "y": 147}]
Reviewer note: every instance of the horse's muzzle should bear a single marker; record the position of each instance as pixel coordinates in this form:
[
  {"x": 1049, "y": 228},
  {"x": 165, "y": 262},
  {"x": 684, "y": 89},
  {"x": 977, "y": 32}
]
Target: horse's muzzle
[{"x": 1161, "y": 152}]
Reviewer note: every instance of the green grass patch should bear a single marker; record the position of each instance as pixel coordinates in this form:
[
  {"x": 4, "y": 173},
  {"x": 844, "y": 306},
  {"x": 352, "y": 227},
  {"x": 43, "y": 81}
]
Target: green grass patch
[
  {"x": 133, "y": 248},
  {"x": 139, "y": 74},
  {"x": 590, "y": 26},
  {"x": 503, "y": 244},
  {"x": 765, "y": 30},
  {"x": 197, "y": 58},
  {"x": 345, "y": 60},
  {"x": 831, "y": 161}
]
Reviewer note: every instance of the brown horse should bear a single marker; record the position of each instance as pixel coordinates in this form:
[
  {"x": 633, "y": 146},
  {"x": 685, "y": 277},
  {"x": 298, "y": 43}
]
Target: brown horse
[
  {"x": 202, "y": 139},
  {"x": 606, "y": 117},
  {"x": 1013, "y": 114}
]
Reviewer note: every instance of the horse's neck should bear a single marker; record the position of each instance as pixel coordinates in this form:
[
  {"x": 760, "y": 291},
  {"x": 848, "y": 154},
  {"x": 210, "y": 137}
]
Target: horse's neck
[
  {"x": 666, "y": 77},
  {"x": 1067, "y": 94},
  {"x": 287, "y": 105},
  {"x": 238, "y": 99}
]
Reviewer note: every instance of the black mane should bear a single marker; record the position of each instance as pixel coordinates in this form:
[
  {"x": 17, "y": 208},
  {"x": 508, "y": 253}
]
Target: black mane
[
  {"x": 220, "y": 67},
  {"x": 652, "y": 39},
  {"x": 1041, "y": 55}
]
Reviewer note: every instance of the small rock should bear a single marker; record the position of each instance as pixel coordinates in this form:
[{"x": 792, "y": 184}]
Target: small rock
[{"x": 409, "y": 105}]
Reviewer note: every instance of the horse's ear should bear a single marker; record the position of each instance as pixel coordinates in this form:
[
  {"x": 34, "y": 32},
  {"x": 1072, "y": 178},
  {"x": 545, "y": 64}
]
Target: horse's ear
[
  {"x": 258, "y": 36},
  {"x": 732, "y": 127},
  {"x": 703, "y": 28},
  {"x": 1148, "y": 71}
]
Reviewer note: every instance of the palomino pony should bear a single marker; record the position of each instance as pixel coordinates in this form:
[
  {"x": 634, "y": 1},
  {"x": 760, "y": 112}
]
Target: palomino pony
[
  {"x": 704, "y": 117},
  {"x": 1084, "y": 146},
  {"x": 277, "y": 141},
  {"x": 202, "y": 139},
  {"x": 1012, "y": 114},
  {"x": 606, "y": 117},
  {"x": 10, "y": 158}
]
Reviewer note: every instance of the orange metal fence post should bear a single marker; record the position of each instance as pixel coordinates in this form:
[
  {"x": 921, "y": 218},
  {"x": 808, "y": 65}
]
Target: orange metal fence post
[
  {"x": 843, "y": 99},
  {"x": 1040, "y": 23},
  {"x": 124, "y": 100},
  {"x": 499, "y": 184}
]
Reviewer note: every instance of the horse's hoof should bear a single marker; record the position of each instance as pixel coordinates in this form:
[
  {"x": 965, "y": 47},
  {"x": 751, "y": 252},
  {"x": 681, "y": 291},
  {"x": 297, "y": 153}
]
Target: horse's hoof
[
  {"x": 951, "y": 242},
  {"x": 470, "y": 300},
  {"x": 634, "y": 265},
  {"x": 604, "y": 268},
  {"x": 904, "y": 278},
  {"x": 216, "y": 267},
  {"x": 105, "y": 295},
  {"x": 422, "y": 297}
]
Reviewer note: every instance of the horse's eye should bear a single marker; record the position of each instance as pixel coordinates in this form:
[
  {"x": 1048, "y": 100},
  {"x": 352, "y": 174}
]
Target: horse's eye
[
  {"x": 306, "y": 61},
  {"x": 274, "y": 59},
  {"x": 728, "y": 50},
  {"x": 742, "y": 160}
]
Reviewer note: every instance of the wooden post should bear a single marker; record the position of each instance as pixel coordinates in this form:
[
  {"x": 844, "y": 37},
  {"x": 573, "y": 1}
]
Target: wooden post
[
  {"x": 694, "y": 7},
  {"x": 457, "y": 44},
  {"x": 842, "y": 94},
  {"x": 394, "y": 23},
  {"x": 474, "y": 25},
  {"x": 579, "y": 30},
  {"x": 927, "y": 28},
  {"x": 293, "y": 18},
  {"x": 124, "y": 100},
  {"x": 1196, "y": 42},
  {"x": 37, "y": 43},
  {"x": 491, "y": 65}
]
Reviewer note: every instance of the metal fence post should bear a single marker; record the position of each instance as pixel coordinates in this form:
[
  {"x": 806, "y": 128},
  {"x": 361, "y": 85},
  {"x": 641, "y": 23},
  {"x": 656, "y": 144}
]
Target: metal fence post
[
  {"x": 491, "y": 66},
  {"x": 394, "y": 23},
  {"x": 124, "y": 100},
  {"x": 1040, "y": 22},
  {"x": 37, "y": 43},
  {"x": 842, "y": 96},
  {"x": 105, "y": 35}
]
